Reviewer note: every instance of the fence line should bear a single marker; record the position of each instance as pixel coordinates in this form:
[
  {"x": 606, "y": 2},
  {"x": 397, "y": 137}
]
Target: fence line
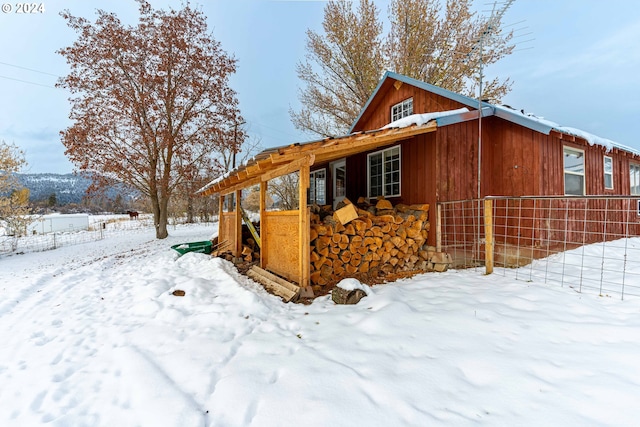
[
  {"x": 98, "y": 230},
  {"x": 587, "y": 243}
]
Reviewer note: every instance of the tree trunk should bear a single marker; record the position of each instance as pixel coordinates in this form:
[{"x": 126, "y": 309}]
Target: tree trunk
[
  {"x": 163, "y": 216},
  {"x": 159, "y": 205},
  {"x": 190, "y": 208}
]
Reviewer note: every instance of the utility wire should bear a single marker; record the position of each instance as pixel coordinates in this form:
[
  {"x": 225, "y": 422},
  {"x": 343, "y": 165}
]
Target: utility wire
[
  {"x": 25, "y": 81},
  {"x": 28, "y": 69}
]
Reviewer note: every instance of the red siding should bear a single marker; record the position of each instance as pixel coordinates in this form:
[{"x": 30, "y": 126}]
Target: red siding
[
  {"x": 516, "y": 161},
  {"x": 379, "y": 112}
]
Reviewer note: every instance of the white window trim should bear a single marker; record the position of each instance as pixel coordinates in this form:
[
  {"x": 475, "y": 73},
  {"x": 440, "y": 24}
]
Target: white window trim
[
  {"x": 583, "y": 174},
  {"x": 312, "y": 177},
  {"x": 403, "y": 108},
  {"x": 399, "y": 147},
  {"x": 608, "y": 173},
  {"x": 637, "y": 166}
]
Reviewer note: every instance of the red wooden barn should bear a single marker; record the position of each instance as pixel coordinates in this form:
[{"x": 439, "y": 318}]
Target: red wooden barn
[{"x": 415, "y": 143}]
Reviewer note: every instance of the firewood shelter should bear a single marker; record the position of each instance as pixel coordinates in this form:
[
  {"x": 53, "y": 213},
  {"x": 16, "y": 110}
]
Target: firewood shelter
[{"x": 285, "y": 235}]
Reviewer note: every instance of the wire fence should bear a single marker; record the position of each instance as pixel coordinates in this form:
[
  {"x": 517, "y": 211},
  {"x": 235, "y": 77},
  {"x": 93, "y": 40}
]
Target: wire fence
[
  {"x": 100, "y": 227},
  {"x": 587, "y": 243}
]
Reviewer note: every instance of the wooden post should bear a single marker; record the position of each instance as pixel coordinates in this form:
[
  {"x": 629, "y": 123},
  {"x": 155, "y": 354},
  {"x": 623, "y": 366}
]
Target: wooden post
[
  {"x": 263, "y": 226},
  {"x": 303, "y": 224},
  {"x": 221, "y": 237},
  {"x": 438, "y": 228},
  {"x": 237, "y": 251},
  {"x": 488, "y": 236}
]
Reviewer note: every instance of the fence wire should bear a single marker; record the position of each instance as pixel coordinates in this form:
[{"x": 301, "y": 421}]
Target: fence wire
[
  {"x": 586, "y": 243},
  {"x": 99, "y": 228}
]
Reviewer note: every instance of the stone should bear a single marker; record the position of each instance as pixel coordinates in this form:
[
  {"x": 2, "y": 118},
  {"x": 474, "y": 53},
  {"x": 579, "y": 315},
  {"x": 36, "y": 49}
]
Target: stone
[{"x": 343, "y": 296}]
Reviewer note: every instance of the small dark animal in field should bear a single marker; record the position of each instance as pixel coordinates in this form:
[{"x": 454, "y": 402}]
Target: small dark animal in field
[{"x": 133, "y": 214}]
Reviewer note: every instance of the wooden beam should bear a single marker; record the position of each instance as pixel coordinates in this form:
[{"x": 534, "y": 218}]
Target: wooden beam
[
  {"x": 238, "y": 216},
  {"x": 439, "y": 228},
  {"x": 242, "y": 185},
  {"x": 221, "y": 236},
  {"x": 303, "y": 223},
  {"x": 263, "y": 197},
  {"x": 288, "y": 291},
  {"x": 253, "y": 169},
  {"x": 288, "y": 168}
]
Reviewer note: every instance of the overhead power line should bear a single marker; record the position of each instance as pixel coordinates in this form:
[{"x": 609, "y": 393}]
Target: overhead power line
[
  {"x": 29, "y": 69},
  {"x": 28, "y": 82}
]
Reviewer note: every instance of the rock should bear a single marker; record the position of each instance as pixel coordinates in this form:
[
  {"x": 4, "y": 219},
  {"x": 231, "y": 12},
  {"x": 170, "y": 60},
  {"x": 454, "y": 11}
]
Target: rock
[
  {"x": 178, "y": 293},
  {"x": 343, "y": 296}
]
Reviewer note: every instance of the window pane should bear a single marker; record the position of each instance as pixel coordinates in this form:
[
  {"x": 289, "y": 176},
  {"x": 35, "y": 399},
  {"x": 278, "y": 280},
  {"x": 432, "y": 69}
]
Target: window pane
[
  {"x": 375, "y": 175},
  {"x": 317, "y": 187},
  {"x": 402, "y": 109},
  {"x": 392, "y": 172},
  {"x": 320, "y": 187},
  {"x": 634, "y": 179},
  {"x": 608, "y": 165},
  {"x": 608, "y": 181},
  {"x": 312, "y": 189},
  {"x": 573, "y": 184},
  {"x": 573, "y": 161}
]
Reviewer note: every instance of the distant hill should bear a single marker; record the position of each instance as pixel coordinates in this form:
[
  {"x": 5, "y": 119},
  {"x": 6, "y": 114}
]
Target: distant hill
[{"x": 68, "y": 188}]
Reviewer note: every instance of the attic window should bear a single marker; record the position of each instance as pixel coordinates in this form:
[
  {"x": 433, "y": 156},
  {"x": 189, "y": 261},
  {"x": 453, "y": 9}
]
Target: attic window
[{"x": 402, "y": 109}]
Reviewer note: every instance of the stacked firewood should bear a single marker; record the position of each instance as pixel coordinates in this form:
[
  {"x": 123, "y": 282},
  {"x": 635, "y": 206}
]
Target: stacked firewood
[{"x": 368, "y": 239}]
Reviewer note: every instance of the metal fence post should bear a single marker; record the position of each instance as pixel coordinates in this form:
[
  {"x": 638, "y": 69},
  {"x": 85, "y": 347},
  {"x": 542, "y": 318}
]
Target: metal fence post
[{"x": 488, "y": 234}]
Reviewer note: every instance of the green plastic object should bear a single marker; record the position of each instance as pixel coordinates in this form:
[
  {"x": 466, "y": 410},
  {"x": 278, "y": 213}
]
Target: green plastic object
[{"x": 198, "y": 247}]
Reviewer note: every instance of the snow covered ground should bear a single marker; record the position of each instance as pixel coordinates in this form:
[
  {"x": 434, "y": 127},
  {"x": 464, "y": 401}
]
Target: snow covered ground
[{"x": 91, "y": 335}]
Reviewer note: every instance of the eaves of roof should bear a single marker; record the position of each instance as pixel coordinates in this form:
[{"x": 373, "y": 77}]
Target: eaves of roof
[{"x": 276, "y": 162}]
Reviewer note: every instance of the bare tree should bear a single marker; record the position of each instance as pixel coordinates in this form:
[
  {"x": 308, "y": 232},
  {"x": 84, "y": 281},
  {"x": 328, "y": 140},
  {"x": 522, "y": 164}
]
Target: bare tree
[
  {"x": 148, "y": 100},
  {"x": 343, "y": 66},
  {"x": 251, "y": 201},
  {"x": 285, "y": 191},
  {"x": 442, "y": 47}
]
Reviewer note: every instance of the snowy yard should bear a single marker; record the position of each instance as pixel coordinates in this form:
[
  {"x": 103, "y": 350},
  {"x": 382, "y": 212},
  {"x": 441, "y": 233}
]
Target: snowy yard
[{"x": 90, "y": 335}]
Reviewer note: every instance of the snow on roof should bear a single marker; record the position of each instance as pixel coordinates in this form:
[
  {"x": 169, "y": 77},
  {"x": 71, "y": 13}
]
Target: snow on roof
[
  {"x": 589, "y": 137},
  {"x": 420, "y": 119}
]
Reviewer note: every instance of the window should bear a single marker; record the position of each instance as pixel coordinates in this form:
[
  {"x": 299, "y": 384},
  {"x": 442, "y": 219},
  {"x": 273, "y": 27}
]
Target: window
[
  {"x": 608, "y": 172},
  {"x": 317, "y": 187},
  {"x": 634, "y": 179},
  {"x": 384, "y": 172},
  {"x": 403, "y": 109},
  {"x": 573, "y": 172}
]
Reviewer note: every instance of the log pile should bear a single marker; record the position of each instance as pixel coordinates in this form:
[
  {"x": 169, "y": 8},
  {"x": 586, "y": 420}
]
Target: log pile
[{"x": 363, "y": 239}]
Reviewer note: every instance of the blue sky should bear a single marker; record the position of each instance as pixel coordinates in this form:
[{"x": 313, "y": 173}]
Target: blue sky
[{"x": 580, "y": 69}]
